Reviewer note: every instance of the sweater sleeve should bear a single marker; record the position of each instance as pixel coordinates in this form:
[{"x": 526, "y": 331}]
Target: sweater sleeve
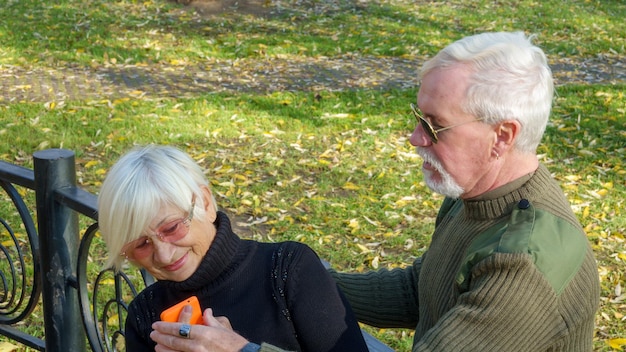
[
  {"x": 266, "y": 347},
  {"x": 522, "y": 312},
  {"x": 383, "y": 298},
  {"x": 321, "y": 316}
]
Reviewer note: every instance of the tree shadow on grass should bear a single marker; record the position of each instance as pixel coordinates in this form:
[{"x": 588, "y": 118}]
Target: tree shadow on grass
[
  {"x": 272, "y": 9},
  {"x": 258, "y": 8}
]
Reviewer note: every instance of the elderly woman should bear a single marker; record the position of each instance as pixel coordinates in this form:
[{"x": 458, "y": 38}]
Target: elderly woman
[{"x": 157, "y": 211}]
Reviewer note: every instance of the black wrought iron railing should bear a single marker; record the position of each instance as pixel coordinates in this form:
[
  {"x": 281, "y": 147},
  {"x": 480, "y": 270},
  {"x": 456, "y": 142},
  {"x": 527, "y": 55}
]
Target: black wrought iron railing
[{"x": 50, "y": 274}]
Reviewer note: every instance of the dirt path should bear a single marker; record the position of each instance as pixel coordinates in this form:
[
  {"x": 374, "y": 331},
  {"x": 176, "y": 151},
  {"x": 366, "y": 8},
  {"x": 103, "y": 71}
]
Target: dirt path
[
  {"x": 306, "y": 74},
  {"x": 253, "y": 75}
]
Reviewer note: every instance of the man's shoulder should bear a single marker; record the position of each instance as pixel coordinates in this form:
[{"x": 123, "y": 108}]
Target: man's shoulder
[{"x": 555, "y": 245}]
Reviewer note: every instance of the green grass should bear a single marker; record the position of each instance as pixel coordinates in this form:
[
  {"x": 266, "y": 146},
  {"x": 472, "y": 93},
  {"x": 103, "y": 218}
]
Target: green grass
[
  {"x": 336, "y": 173},
  {"x": 98, "y": 32}
]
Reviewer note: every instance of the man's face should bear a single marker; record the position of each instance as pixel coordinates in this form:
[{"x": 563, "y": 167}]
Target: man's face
[{"x": 455, "y": 166}]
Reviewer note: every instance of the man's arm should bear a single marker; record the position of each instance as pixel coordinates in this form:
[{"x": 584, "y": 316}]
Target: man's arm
[{"x": 383, "y": 298}]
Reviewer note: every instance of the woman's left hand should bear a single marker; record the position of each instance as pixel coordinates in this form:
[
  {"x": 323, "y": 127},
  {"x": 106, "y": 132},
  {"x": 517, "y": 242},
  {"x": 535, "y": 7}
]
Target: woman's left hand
[{"x": 215, "y": 335}]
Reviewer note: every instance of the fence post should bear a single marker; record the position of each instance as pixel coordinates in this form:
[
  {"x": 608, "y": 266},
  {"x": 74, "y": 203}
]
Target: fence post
[{"x": 59, "y": 241}]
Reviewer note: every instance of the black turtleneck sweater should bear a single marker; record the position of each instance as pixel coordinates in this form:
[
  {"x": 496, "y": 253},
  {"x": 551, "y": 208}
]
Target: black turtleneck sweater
[{"x": 276, "y": 293}]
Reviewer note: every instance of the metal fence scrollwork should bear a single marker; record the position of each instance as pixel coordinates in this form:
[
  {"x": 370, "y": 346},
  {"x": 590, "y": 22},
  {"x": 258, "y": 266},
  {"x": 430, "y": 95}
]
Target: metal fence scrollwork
[
  {"x": 104, "y": 297},
  {"x": 20, "y": 288},
  {"x": 50, "y": 276}
]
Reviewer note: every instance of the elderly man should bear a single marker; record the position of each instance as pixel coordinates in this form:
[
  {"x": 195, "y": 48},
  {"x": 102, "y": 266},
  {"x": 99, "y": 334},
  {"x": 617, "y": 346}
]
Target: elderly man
[{"x": 509, "y": 267}]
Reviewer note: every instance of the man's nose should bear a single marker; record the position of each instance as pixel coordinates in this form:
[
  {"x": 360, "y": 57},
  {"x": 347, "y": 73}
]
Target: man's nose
[{"x": 419, "y": 138}]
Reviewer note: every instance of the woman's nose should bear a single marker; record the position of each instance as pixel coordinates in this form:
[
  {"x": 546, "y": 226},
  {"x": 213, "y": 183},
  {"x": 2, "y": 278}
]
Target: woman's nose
[{"x": 163, "y": 252}]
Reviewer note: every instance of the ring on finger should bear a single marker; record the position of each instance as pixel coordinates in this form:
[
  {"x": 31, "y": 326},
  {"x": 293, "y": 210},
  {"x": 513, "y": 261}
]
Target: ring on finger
[{"x": 185, "y": 331}]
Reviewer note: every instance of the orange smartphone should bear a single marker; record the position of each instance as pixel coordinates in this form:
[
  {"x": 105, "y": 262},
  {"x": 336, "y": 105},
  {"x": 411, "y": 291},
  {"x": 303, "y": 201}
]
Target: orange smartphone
[{"x": 171, "y": 314}]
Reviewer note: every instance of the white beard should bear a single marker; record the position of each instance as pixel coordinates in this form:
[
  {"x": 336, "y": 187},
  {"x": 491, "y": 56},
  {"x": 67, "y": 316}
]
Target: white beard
[{"x": 447, "y": 186}]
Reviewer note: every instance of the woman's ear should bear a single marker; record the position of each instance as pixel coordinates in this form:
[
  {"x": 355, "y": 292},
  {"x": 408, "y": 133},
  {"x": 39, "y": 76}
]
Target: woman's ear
[{"x": 207, "y": 200}]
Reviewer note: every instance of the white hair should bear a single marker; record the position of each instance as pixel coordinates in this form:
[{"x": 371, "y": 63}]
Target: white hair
[
  {"x": 510, "y": 80},
  {"x": 142, "y": 182}
]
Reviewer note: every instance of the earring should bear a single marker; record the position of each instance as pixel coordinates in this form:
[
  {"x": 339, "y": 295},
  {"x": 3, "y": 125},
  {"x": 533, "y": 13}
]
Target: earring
[{"x": 497, "y": 155}]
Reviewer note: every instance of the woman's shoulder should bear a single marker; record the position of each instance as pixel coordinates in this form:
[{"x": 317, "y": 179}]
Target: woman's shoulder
[
  {"x": 287, "y": 248},
  {"x": 147, "y": 297},
  {"x": 288, "y": 253}
]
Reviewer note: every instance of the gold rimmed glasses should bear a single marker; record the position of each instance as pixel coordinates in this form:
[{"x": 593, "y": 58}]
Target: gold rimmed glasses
[
  {"x": 428, "y": 128},
  {"x": 170, "y": 232}
]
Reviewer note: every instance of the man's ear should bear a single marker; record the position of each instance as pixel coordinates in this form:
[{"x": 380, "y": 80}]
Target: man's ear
[{"x": 506, "y": 134}]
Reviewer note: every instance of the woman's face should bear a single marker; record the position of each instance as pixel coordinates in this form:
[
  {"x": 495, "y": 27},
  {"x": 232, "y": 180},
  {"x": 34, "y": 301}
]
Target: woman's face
[{"x": 177, "y": 259}]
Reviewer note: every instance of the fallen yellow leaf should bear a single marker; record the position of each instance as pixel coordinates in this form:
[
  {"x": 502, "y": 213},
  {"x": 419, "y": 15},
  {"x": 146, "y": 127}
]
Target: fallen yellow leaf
[
  {"x": 7, "y": 347},
  {"x": 363, "y": 248},
  {"x": 616, "y": 343},
  {"x": 375, "y": 262},
  {"x": 91, "y": 163},
  {"x": 113, "y": 320},
  {"x": 350, "y": 186}
]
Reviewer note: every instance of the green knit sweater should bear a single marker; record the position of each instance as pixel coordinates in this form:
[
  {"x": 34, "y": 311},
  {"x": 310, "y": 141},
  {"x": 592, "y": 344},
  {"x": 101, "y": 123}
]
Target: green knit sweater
[{"x": 511, "y": 271}]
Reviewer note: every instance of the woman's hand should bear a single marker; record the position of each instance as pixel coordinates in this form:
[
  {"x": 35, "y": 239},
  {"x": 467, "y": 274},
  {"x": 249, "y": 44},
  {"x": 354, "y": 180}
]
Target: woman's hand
[{"x": 215, "y": 335}]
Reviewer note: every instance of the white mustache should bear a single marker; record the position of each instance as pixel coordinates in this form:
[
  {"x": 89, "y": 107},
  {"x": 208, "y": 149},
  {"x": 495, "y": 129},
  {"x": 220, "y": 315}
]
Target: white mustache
[
  {"x": 429, "y": 158},
  {"x": 447, "y": 186}
]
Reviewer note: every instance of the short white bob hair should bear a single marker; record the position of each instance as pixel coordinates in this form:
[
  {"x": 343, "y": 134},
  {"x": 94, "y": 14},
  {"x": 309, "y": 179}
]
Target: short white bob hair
[
  {"x": 510, "y": 80},
  {"x": 143, "y": 181}
]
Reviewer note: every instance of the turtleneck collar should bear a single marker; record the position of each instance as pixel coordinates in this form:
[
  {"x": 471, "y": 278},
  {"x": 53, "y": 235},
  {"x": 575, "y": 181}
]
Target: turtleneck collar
[
  {"x": 217, "y": 260},
  {"x": 502, "y": 200}
]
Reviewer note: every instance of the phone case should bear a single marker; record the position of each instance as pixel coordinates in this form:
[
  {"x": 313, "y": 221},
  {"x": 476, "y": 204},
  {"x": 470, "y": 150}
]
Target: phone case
[{"x": 171, "y": 314}]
